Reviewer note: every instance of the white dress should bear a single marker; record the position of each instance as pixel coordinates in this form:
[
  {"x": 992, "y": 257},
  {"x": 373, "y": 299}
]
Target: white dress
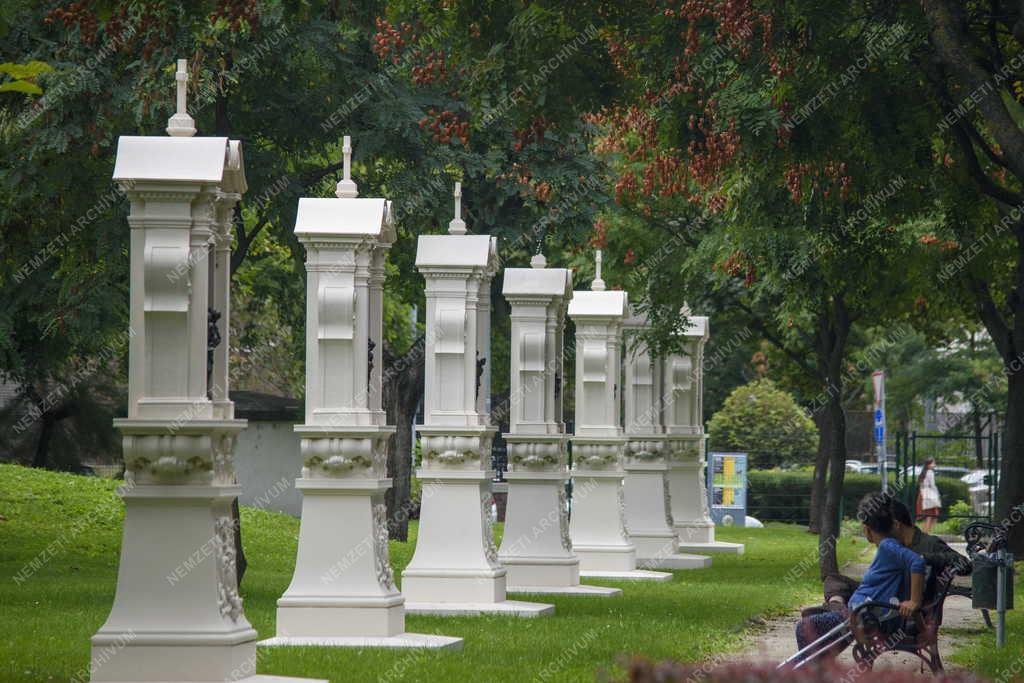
[{"x": 930, "y": 497}]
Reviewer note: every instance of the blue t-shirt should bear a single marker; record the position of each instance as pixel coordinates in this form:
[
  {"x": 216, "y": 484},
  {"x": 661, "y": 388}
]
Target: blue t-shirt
[{"x": 884, "y": 578}]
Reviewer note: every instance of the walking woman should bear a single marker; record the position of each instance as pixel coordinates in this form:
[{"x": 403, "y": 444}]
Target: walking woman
[{"x": 929, "y": 502}]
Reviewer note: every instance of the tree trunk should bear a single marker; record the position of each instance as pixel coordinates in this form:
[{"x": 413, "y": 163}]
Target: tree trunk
[
  {"x": 1009, "y": 510},
  {"x": 820, "y": 473},
  {"x": 833, "y": 332},
  {"x": 46, "y": 427},
  {"x": 979, "y": 454},
  {"x": 400, "y": 470},
  {"x": 829, "y": 520},
  {"x": 49, "y": 419},
  {"x": 403, "y": 388}
]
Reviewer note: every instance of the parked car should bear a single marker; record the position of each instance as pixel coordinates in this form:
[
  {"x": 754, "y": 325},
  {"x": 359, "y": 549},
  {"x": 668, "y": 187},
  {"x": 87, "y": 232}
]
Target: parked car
[
  {"x": 940, "y": 471},
  {"x": 86, "y": 471},
  {"x": 975, "y": 477},
  {"x": 861, "y": 467},
  {"x": 978, "y": 482}
]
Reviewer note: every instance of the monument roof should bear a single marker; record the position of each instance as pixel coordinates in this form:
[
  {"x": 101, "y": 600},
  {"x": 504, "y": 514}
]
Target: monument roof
[
  {"x": 698, "y": 326},
  {"x": 598, "y": 304},
  {"x": 635, "y": 318},
  {"x": 355, "y": 216},
  {"x": 152, "y": 157},
  {"x": 456, "y": 250},
  {"x": 551, "y": 282}
]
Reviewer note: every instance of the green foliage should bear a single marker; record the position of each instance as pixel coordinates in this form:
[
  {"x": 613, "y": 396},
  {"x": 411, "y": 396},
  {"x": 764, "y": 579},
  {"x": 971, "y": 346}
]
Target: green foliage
[
  {"x": 289, "y": 80},
  {"x": 963, "y": 367},
  {"x": 784, "y": 496},
  {"x": 23, "y": 77},
  {"x": 762, "y": 420},
  {"x": 960, "y": 515}
]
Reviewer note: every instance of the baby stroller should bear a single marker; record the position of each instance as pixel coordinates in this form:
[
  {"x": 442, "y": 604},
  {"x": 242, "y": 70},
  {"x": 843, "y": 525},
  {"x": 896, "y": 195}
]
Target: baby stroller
[{"x": 875, "y": 628}]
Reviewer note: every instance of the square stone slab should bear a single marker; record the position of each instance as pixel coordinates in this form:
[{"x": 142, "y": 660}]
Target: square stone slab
[
  {"x": 582, "y": 589},
  {"x": 635, "y": 575},
  {"x": 675, "y": 561},
  {"x": 512, "y": 608},
  {"x": 713, "y": 547},
  {"x": 404, "y": 640}
]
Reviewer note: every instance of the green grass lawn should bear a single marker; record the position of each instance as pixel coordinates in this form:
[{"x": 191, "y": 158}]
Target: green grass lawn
[{"x": 75, "y": 522}]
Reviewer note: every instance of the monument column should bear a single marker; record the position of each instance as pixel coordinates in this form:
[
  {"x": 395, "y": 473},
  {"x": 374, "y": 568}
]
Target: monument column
[
  {"x": 455, "y": 568},
  {"x": 175, "y": 618},
  {"x": 536, "y": 549},
  {"x": 343, "y": 591},
  {"x": 646, "y": 488},
  {"x": 682, "y": 414},
  {"x": 598, "y": 523}
]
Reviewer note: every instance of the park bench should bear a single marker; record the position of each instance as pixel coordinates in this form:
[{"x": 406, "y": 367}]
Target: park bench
[{"x": 919, "y": 636}]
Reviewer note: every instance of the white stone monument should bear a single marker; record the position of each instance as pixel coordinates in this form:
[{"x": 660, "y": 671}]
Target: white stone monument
[
  {"x": 683, "y": 380},
  {"x": 648, "y": 502},
  {"x": 343, "y": 590},
  {"x": 176, "y": 618},
  {"x": 598, "y": 524},
  {"x": 536, "y": 549},
  {"x": 455, "y": 568}
]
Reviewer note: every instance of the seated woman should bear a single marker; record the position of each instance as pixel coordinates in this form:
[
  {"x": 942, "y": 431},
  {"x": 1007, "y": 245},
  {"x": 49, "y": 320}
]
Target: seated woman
[{"x": 884, "y": 581}]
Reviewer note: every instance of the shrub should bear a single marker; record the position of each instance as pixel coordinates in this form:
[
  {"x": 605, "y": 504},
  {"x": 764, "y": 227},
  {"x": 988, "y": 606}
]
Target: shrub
[
  {"x": 955, "y": 525},
  {"x": 765, "y": 422},
  {"x": 785, "y": 496}
]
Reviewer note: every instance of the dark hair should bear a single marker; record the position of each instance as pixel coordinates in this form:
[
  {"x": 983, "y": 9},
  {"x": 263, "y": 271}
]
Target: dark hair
[
  {"x": 924, "y": 470},
  {"x": 875, "y": 511},
  {"x": 900, "y": 512}
]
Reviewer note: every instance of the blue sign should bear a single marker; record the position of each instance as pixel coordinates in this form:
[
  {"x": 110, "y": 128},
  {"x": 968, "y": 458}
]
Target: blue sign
[
  {"x": 879, "y": 418},
  {"x": 879, "y": 434}
]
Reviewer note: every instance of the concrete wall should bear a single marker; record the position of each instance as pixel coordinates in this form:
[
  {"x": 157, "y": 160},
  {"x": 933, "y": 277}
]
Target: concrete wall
[{"x": 267, "y": 462}]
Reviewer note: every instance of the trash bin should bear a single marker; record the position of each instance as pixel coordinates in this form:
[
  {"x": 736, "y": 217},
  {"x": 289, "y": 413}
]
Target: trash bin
[{"x": 983, "y": 582}]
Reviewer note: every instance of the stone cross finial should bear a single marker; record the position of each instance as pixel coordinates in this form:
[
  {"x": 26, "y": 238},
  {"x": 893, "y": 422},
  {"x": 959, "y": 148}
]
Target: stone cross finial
[
  {"x": 457, "y": 226},
  {"x": 538, "y": 261},
  {"x": 346, "y": 186},
  {"x": 181, "y": 124},
  {"x": 598, "y": 284}
]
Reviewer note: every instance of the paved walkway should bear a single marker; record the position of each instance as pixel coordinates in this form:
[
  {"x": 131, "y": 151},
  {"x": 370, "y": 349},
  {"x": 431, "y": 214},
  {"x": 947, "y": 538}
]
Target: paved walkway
[{"x": 776, "y": 640}]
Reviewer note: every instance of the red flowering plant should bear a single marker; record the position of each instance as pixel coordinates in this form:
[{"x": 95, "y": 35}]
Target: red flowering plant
[{"x": 755, "y": 180}]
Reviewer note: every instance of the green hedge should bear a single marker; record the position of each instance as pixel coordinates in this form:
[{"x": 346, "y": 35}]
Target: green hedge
[{"x": 780, "y": 496}]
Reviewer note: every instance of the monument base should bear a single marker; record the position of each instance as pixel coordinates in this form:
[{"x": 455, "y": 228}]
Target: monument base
[
  {"x": 343, "y": 618},
  {"x": 512, "y": 608},
  {"x": 553, "y": 572},
  {"x": 402, "y": 641},
  {"x": 634, "y": 575},
  {"x": 598, "y": 524},
  {"x": 605, "y": 558},
  {"x": 455, "y": 568},
  {"x": 675, "y": 561},
  {"x": 142, "y": 663},
  {"x": 698, "y": 536},
  {"x": 661, "y": 551},
  {"x": 453, "y": 585},
  {"x": 690, "y": 531},
  {"x": 720, "y": 547},
  {"x": 578, "y": 589}
]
